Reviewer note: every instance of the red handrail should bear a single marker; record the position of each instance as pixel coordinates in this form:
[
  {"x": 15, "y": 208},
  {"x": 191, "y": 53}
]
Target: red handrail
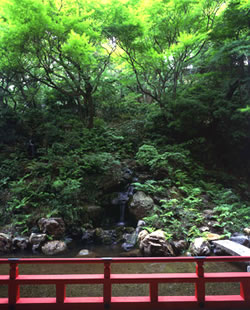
[{"x": 107, "y": 279}]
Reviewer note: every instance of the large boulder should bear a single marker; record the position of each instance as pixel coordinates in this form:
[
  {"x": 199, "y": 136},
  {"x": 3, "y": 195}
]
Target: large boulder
[
  {"x": 20, "y": 243},
  {"x": 141, "y": 205},
  {"x": 241, "y": 239},
  {"x": 54, "y": 226},
  {"x": 54, "y": 247},
  {"x": 155, "y": 244},
  {"x": 5, "y": 243},
  {"x": 36, "y": 241},
  {"x": 200, "y": 247}
]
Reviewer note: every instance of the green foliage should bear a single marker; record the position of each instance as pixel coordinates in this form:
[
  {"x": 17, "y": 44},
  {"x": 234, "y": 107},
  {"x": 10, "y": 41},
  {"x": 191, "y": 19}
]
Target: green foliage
[
  {"x": 179, "y": 218},
  {"x": 230, "y": 212},
  {"x": 97, "y": 83}
]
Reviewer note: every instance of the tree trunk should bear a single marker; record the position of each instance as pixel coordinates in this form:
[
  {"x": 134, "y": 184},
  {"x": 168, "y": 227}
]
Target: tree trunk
[{"x": 88, "y": 98}]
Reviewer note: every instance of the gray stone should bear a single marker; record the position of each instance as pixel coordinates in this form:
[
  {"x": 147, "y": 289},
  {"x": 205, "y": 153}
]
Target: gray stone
[
  {"x": 241, "y": 239},
  {"x": 5, "y": 243},
  {"x": 54, "y": 247},
  {"x": 247, "y": 231},
  {"x": 20, "y": 243},
  {"x": 54, "y": 226},
  {"x": 106, "y": 237},
  {"x": 37, "y": 238},
  {"x": 141, "y": 205},
  {"x": 141, "y": 223},
  {"x": 180, "y": 246},
  {"x": 142, "y": 235},
  {"x": 86, "y": 253},
  {"x": 88, "y": 236},
  {"x": 36, "y": 241},
  {"x": 200, "y": 247},
  {"x": 155, "y": 244},
  {"x": 232, "y": 248}
]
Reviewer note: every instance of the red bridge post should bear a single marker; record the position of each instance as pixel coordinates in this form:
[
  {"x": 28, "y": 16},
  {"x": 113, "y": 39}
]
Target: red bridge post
[
  {"x": 154, "y": 292},
  {"x": 200, "y": 284},
  {"x": 13, "y": 289},
  {"x": 245, "y": 290},
  {"x": 107, "y": 283},
  {"x": 60, "y": 293}
]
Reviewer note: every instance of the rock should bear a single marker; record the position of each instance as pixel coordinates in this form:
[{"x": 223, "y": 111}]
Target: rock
[
  {"x": 247, "y": 231},
  {"x": 140, "y": 205},
  {"x": 219, "y": 252},
  {"x": 68, "y": 241},
  {"x": 142, "y": 235},
  {"x": 20, "y": 243},
  {"x": 106, "y": 237},
  {"x": 88, "y": 236},
  {"x": 5, "y": 243},
  {"x": 36, "y": 241},
  {"x": 85, "y": 253},
  {"x": 54, "y": 226},
  {"x": 200, "y": 247},
  {"x": 204, "y": 228},
  {"x": 180, "y": 246},
  {"x": 210, "y": 236},
  {"x": 215, "y": 227},
  {"x": 54, "y": 247},
  {"x": 141, "y": 223},
  {"x": 127, "y": 174},
  {"x": 155, "y": 244},
  {"x": 241, "y": 239}
]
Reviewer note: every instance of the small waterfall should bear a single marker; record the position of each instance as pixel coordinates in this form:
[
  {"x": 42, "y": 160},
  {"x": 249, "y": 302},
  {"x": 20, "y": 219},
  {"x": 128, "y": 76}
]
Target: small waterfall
[
  {"x": 122, "y": 201},
  {"x": 131, "y": 239},
  {"x": 122, "y": 213}
]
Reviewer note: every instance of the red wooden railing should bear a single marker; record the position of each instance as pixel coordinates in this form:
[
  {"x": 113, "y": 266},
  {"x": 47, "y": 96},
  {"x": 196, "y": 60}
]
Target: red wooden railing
[{"x": 153, "y": 301}]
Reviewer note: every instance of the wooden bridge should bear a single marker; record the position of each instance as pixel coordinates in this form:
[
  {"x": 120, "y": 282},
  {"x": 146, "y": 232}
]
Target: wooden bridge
[{"x": 199, "y": 278}]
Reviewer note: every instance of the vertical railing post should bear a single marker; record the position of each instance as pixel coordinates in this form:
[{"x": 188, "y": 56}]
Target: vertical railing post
[
  {"x": 60, "y": 293},
  {"x": 107, "y": 283},
  {"x": 13, "y": 288},
  {"x": 245, "y": 289},
  {"x": 200, "y": 284},
  {"x": 153, "y": 291}
]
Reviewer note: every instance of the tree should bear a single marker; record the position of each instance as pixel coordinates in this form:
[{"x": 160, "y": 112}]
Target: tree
[
  {"x": 59, "y": 44},
  {"x": 160, "y": 39}
]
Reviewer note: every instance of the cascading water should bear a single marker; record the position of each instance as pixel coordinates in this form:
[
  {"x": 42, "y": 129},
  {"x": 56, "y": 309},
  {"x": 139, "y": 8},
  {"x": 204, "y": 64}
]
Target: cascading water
[
  {"x": 131, "y": 239},
  {"x": 122, "y": 201}
]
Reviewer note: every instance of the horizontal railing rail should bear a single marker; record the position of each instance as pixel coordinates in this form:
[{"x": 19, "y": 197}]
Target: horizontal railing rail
[{"x": 153, "y": 301}]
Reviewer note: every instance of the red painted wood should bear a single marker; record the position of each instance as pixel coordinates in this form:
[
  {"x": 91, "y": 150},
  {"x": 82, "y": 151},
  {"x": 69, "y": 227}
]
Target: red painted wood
[
  {"x": 245, "y": 290},
  {"x": 153, "y": 301},
  {"x": 200, "y": 284},
  {"x": 226, "y": 276},
  {"x": 158, "y": 277},
  {"x": 153, "y": 291},
  {"x": 4, "y": 279},
  {"x": 60, "y": 278},
  {"x": 60, "y": 293},
  {"x": 13, "y": 287},
  {"x": 107, "y": 289}
]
